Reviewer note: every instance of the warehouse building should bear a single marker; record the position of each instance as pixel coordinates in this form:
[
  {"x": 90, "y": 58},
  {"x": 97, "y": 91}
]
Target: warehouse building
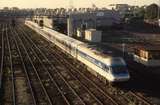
[{"x": 92, "y": 35}]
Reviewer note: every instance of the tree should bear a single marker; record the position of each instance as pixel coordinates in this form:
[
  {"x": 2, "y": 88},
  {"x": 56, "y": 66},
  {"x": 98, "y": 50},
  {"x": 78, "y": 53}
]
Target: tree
[
  {"x": 15, "y": 8},
  {"x": 152, "y": 11},
  {"x": 6, "y": 8}
]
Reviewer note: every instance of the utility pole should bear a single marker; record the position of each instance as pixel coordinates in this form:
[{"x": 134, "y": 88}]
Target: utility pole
[
  {"x": 69, "y": 20},
  {"x": 159, "y": 13},
  {"x": 135, "y": 7}
]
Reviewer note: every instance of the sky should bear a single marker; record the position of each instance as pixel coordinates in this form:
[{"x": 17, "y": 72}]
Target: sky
[{"x": 65, "y": 3}]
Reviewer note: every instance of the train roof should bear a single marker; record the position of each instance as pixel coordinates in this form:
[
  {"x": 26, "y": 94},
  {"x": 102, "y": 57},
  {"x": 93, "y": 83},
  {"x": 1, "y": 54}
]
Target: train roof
[
  {"x": 107, "y": 58},
  {"x": 90, "y": 48},
  {"x": 59, "y": 35},
  {"x": 104, "y": 50},
  {"x": 93, "y": 48},
  {"x": 63, "y": 37},
  {"x": 86, "y": 47}
]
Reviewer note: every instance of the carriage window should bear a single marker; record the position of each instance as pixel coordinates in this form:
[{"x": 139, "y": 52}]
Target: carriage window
[
  {"x": 106, "y": 68},
  {"x": 119, "y": 69},
  {"x": 94, "y": 61}
]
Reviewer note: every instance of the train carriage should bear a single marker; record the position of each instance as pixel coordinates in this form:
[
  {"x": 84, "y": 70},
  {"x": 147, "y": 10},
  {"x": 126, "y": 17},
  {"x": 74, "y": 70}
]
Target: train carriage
[{"x": 64, "y": 42}]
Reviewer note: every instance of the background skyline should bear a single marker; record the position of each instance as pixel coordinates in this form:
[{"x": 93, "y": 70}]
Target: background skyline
[{"x": 66, "y": 3}]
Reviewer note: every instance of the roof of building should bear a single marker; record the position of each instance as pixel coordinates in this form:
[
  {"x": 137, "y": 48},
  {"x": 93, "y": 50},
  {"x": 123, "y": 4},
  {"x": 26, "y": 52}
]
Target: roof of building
[{"x": 93, "y": 30}]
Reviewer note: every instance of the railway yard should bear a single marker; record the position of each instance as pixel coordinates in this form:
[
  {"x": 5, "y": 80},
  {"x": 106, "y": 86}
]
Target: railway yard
[{"x": 34, "y": 71}]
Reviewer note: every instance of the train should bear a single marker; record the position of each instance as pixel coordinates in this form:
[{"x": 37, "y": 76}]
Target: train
[
  {"x": 109, "y": 68},
  {"x": 147, "y": 55}
]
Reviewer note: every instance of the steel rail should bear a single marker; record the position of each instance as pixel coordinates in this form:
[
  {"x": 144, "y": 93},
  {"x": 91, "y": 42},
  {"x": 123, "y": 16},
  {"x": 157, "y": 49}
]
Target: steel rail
[
  {"x": 2, "y": 57},
  {"x": 58, "y": 74},
  {"x": 25, "y": 70},
  {"x": 100, "y": 103},
  {"x": 42, "y": 85},
  {"x": 2, "y": 63},
  {"x": 70, "y": 65},
  {"x": 11, "y": 69}
]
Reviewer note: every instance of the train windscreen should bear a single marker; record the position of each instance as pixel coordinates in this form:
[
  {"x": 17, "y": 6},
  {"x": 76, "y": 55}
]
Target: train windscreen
[{"x": 119, "y": 69}]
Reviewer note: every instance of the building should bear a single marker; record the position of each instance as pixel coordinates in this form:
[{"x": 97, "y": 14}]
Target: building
[
  {"x": 89, "y": 20},
  {"x": 80, "y": 33},
  {"x": 121, "y": 8},
  {"x": 93, "y": 35}
]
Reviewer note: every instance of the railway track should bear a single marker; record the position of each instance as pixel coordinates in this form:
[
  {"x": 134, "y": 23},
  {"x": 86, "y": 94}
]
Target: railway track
[
  {"x": 7, "y": 73},
  {"x": 63, "y": 74},
  {"x": 12, "y": 70},
  {"x": 121, "y": 97},
  {"x": 85, "y": 80},
  {"x": 138, "y": 98},
  {"x": 23, "y": 76},
  {"x": 141, "y": 79},
  {"x": 43, "y": 75},
  {"x": 72, "y": 97},
  {"x": 2, "y": 54},
  {"x": 14, "y": 89},
  {"x": 150, "y": 85},
  {"x": 1, "y": 60},
  {"x": 43, "y": 92}
]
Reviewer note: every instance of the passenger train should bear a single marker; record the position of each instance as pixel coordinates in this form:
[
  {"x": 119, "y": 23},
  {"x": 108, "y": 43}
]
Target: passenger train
[{"x": 110, "y": 68}]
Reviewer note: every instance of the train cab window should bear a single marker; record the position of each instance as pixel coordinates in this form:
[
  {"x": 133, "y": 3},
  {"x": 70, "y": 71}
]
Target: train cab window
[{"x": 119, "y": 69}]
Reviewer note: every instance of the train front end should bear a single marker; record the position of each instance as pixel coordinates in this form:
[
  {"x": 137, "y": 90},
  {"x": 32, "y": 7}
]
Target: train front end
[{"x": 118, "y": 70}]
